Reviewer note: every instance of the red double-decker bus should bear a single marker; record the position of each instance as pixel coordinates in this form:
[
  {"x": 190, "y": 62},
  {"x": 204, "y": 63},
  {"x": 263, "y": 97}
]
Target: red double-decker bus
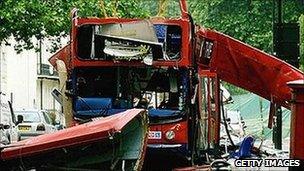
[
  {"x": 169, "y": 67},
  {"x": 116, "y": 64},
  {"x": 165, "y": 67}
]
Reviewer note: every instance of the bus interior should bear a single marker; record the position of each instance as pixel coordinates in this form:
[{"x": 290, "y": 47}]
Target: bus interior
[
  {"x": 110, "y": 90},
  {"x": 129, "y": 41}
]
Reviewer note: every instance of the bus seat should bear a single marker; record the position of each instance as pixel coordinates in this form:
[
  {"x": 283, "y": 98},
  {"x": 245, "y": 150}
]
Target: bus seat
[
  {"x": 245, "y": 148},
  {"x": 161, "y": 31},
  {"x": 163, "y": 112},
  {"x": 92, "y": 103},
  {"x": 95, "y": 107}
]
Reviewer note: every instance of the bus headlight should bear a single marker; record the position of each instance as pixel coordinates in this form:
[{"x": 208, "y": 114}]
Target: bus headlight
[{"x": 170, "y": 135}]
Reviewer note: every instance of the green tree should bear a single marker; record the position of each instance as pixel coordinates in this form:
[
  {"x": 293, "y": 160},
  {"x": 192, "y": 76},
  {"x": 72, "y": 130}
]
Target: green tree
[
  {"x": 45, "y": 19},
  {"x": 247, "y": 20}
]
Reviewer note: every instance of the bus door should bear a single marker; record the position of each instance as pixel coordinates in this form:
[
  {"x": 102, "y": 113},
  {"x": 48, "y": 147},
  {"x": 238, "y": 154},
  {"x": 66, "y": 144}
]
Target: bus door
[{"x": 209, "y": 110}]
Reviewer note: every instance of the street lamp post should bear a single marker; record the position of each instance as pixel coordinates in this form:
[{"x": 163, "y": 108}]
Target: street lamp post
[{"x": 277, "y": 24}]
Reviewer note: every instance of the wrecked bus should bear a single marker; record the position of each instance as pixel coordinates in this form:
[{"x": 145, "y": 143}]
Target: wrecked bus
[
  {"x": 147, "y": 64},
  {"x": 115, "y": 64},
  {"x": 168, "y": 68}
]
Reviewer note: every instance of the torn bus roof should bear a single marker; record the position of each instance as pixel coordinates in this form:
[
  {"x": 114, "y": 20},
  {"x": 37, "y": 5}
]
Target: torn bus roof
[
  {"x": 245, "y": 66},
  {"x": 124, "y": 133},
  {"x": 77, "y": 135}
]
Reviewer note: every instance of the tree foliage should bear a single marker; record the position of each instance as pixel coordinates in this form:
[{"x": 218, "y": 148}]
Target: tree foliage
[
  {"x": 50, "y": 19},
  {"x": 247, "y": 20}
]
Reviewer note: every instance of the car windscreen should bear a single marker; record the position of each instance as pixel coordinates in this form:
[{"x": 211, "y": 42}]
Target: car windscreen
[{"x": 31, "y": 116}]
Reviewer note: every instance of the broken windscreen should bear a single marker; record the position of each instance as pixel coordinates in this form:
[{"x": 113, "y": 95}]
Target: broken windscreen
[
  {"x": 129, "y": 87},
  {"x": 137, "y": 40}
]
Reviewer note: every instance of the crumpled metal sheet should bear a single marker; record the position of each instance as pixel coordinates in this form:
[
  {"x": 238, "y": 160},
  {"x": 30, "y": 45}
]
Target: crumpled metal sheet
[
  {"x": 247, "y": 67},
  {"x": 103, "y": 130}
]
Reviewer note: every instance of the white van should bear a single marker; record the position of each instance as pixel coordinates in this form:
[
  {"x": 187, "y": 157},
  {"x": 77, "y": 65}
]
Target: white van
[{"x": 8, "y": 128}]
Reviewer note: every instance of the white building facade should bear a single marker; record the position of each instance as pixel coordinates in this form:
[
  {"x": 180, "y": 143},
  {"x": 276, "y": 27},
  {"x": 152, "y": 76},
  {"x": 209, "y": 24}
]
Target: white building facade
[{"x": 27, "y": 78}]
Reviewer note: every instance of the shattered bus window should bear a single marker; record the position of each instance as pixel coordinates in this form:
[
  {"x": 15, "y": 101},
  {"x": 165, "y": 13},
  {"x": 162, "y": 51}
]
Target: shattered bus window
[
  {"x": 121, "y": 88},
  {"x": 131, "y": 41}
]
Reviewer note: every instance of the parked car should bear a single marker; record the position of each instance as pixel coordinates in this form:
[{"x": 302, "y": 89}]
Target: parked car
[
  {"x": 8, "y": 130},
  {"x": 33, "y": 123}
]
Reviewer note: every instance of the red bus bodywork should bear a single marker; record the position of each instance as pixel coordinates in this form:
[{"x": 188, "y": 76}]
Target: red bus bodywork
[
  {"x": 230, "y": 60},
  {"x": 211, "y": 55}
]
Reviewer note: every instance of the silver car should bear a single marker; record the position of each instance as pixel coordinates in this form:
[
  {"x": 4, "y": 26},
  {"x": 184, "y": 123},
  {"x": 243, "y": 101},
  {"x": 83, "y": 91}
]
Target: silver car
[
  {"x": 8, "y": 129},
  {"x": 33, "y": 123}
]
